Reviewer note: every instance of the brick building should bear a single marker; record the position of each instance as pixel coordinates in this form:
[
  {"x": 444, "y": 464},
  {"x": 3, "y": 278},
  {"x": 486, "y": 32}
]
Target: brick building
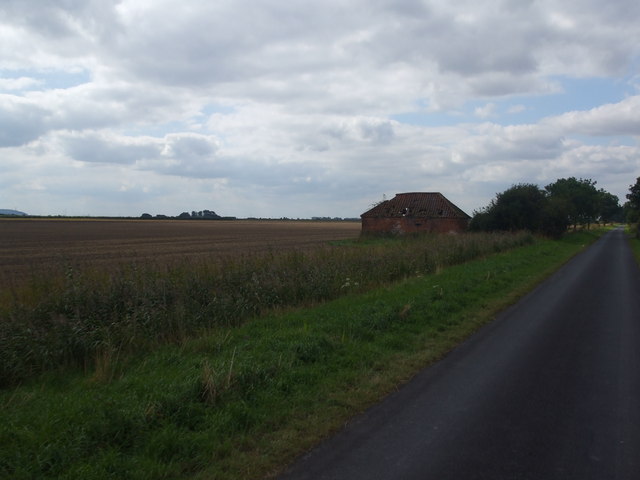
[{"x": 413, "y": 213}]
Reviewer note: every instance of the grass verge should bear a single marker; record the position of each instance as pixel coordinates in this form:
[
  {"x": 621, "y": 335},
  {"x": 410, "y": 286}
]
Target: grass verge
[
  {"x": 239, "y": 403},
  {"x": 634, "y": 241}
]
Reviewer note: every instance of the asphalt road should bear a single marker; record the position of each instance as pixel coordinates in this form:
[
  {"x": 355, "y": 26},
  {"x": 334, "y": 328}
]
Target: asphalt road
[{"x": 549, "y": 390}]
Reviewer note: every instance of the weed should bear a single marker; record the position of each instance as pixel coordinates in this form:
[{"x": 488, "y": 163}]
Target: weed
[
  {"x": 106, "y": 365},
  {"x": 210, "y": 384}
]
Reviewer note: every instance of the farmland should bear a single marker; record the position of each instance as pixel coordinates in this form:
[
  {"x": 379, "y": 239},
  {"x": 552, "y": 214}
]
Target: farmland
[
  {"x": 75, "y": 289},
  {"x": 204, "y": 370},
  {"x": 33, "y": 246}
]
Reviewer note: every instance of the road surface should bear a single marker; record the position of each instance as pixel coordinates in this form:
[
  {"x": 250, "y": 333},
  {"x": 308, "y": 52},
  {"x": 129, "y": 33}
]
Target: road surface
[{"x": 550, "y": 390}]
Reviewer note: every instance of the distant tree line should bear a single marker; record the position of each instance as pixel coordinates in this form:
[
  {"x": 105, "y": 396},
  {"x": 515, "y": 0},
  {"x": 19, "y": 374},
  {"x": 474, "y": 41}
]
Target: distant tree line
[
  {"x": 201, "y": 215},
  {"x": 334, "y": 219},
  {"x": 568, "y": 202}
]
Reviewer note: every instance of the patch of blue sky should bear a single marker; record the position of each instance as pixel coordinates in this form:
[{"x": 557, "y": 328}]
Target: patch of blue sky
[
  {"x": 427, "y": 119},
  {"x": 66, "y": 79},
  {"x": 47, "y": 79},
  {"x": 574, "y": 94},
  {"x": 610, "y": 141},
  {"x": 211, "y": 109}
]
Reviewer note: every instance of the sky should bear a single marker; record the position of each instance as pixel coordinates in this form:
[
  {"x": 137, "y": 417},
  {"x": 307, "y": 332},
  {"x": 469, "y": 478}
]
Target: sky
[{"x": 289, "y": 108}]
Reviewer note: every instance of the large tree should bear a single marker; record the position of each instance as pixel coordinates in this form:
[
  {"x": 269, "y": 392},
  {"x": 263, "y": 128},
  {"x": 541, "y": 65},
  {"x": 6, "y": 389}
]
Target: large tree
[
  {"x": 634, "y": 195},
  {"x": 580, "y": 196},
  {"x": 633, "y": 205},
  {"x": 609, "y": 209},
  {"x": 567, "y": 201},
  {"x": 517, "y": 208},
  {"x": 555, "y": 217}
]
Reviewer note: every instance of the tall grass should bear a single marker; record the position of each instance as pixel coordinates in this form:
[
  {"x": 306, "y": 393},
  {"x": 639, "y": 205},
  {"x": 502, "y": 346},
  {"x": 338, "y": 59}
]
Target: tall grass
[{"x": 83, "y": 316}]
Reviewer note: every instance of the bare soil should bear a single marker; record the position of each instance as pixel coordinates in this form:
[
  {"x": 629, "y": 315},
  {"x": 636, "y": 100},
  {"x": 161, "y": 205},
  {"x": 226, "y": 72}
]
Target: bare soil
[{"x": 32, "y": 246}]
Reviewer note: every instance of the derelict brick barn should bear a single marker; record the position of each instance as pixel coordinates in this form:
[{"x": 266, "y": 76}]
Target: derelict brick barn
[{"x": 414, "y": 213}]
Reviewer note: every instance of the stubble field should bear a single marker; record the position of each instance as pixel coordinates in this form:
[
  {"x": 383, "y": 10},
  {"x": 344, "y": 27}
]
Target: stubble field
[{"x": 33, "y": 246}]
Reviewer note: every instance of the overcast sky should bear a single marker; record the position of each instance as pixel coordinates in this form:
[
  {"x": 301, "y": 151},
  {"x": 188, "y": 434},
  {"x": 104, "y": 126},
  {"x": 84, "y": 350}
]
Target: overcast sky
[{"x": 292, "y": 108}]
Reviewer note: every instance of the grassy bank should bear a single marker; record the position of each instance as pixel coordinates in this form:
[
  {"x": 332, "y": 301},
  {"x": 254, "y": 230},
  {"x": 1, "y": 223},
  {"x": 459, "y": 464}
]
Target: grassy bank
[
  {"x": 240, "y": 402},
  {"x": 634, "y": 241}
]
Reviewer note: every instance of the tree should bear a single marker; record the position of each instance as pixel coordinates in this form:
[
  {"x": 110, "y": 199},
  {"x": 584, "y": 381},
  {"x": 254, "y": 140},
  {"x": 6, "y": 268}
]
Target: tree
[
  {"x": 630, "y": 214},
  {"x": 517, "y": 208},
  {"x": 609, "y": 209},
  {"x": 481, "y": 220},
  {"x": 567, "y": 201},
  {"x": 634, "y": 195},
  {"x": 555, "y": 217},
  {"x": 581, "y": 199},
  {"x": 633, "y": 204},
  {"x": 210, "y": 214}
]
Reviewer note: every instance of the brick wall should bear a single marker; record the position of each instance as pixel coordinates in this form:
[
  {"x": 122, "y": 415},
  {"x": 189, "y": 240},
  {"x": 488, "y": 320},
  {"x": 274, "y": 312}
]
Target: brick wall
[{"x": 404, "y": 225}]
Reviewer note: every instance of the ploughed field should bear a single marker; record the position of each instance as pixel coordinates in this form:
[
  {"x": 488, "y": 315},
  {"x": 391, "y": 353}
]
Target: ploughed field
[{"x": 32, "y": 246}]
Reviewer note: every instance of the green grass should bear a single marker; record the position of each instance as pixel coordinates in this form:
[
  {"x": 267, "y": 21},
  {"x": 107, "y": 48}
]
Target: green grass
[
  {"x": 239, "y": 402},
  {"x": 634, "y": 241}
]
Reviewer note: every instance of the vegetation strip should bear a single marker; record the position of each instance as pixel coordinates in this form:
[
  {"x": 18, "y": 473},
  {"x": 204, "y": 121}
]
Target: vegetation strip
[
  {"x": 78, "y": 318},
  {"x": 634, "y": 241},
  {"x": 240, "y": 402}
]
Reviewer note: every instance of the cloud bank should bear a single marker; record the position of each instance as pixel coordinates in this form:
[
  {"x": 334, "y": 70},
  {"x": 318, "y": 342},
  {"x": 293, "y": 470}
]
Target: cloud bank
[{"x": 293, "y": 109}]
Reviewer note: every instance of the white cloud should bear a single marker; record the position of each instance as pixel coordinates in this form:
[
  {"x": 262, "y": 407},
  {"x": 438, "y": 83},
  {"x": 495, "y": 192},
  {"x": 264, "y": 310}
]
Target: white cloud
[
  {"x": 284, "y": 108},
  {"x": 20, "y": 83},
  {"x": 103, "y": 148},
  {"x": 21, "y": 121},
  {"x": 516, "y": 109},
  {"x": 622, "y": 118},
  {"x": 485, "y": 111}
]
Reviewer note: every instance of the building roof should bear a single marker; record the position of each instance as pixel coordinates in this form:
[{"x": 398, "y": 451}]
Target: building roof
[{"x": 417, "y": 204}]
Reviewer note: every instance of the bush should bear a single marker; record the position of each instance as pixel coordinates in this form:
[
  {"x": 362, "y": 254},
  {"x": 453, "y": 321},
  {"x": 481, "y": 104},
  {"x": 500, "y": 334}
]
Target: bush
[{"x": 520, "y": 207}]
